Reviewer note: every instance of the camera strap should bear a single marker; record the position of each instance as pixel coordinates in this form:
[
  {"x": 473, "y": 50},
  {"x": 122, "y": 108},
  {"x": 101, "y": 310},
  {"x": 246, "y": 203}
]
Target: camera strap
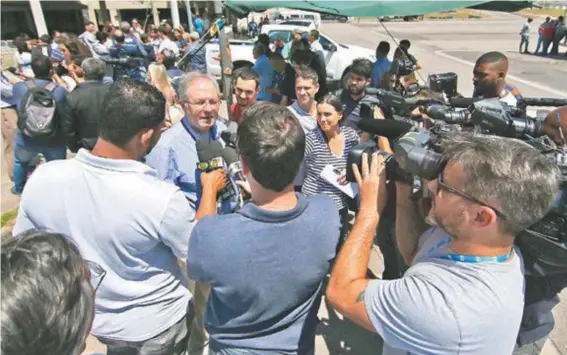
[{"x": 468, "y": 258}]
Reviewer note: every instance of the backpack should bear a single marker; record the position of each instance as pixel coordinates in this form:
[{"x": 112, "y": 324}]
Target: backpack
[{"x": 36, "y": 112}]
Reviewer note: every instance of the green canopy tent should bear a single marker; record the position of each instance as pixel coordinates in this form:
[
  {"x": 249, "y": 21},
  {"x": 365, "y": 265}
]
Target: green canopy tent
[{"x": 373, "y": 8}]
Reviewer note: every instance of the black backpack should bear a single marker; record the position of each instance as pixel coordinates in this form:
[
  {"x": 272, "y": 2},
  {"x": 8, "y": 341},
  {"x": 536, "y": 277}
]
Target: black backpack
[{"x": 36, "y": 113}]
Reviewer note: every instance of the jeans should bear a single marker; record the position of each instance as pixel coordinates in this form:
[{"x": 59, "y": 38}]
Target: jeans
[
  {"x": 546, "y": 43},
  {"x": 24, "y": 154},
  {"x": 172, "y": 341},
  {"x": 525, "y": 40},
  {"x": 539, "y": 43}
]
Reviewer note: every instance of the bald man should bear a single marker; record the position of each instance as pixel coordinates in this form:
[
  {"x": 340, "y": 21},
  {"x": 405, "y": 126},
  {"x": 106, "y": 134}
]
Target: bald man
[
  {"x": 555, "y": 119},
  {"x": 489, "y": 78}
]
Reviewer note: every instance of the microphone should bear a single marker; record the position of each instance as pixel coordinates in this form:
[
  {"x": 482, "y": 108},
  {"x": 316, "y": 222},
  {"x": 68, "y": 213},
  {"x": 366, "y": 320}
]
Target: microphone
[
  {"x": 210, "y": 153},
  {"x": 386, "y": 128},
  {"x": 234, "y": 167}
]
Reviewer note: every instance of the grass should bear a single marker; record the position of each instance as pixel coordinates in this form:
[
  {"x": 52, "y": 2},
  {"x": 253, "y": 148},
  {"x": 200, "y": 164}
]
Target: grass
[
  {"x": 461, "y": 14},
  {"x": 9, "y": 216},
  {"x": 541, "y": 12}
]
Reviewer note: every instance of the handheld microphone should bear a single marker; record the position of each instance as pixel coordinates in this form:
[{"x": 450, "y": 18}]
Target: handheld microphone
[
  {"x": 209, "y": 154},
  {"x": 386, "y": 128},
  {"x": 234, "y": 167}
]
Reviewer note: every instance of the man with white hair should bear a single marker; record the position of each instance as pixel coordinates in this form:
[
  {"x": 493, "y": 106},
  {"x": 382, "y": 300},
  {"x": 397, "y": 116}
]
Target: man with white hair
[{"x": 175, "y": 159}]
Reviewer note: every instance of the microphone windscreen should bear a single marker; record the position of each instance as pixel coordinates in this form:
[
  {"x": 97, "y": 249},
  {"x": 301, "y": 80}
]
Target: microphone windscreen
[
  {"x": 385, "y": 128},
  {"x": 229, "y": 155},
  {"x": 207, "y": 150}
]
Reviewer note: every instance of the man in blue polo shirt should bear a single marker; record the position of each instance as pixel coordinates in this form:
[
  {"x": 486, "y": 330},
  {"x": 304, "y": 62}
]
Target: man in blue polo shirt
[
  {"x": 265, "y": 70},
  {"x": 266, "y": 302},
  {"x": 27, "y": 148}
]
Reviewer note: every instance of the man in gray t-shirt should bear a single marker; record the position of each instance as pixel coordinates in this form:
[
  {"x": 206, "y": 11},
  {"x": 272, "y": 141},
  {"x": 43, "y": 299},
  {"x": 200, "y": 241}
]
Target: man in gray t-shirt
[{"x": 463, "y": 293}]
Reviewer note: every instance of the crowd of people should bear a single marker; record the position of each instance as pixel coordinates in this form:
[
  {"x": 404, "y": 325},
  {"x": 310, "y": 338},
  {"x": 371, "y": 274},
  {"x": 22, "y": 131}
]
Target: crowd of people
[
  {"x": 141, "y": 246},
  {"x": 550, "y": 34}
]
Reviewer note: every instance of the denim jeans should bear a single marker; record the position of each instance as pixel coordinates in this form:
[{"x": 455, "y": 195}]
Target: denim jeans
[
  {"x": 525, "y": 40},
  {"x": 24, "y": 154}
]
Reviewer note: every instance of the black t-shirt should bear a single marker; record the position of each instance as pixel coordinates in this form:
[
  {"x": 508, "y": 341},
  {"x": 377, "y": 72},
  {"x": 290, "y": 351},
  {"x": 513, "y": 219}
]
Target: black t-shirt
[
  {"x": 351, "y": 112},
  {"x": 288, "y": 85}
]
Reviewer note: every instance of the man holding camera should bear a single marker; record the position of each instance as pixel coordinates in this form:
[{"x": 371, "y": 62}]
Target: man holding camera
[
  {"x": 464, "y": 290},
  {"x": 266, "y": 263}
]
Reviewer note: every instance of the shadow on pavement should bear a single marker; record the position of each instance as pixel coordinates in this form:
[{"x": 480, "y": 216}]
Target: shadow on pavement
[{"x": 344, "y": 337}]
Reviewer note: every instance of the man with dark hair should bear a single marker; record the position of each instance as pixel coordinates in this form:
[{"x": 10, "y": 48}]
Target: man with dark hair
[
  {"x": 316, "y": 47},
  {"x": 382, "y": 63},
  {"x": 525, "y": 36},
  {"x": 246, "y": 87},
  {"x": 464, "y": 290},
  {"x": 302, "y": 57},
  {"x": 83, "y": 107},
  {"x": 37, "y": 269},
  {"x": 166, "y": 42},
  {"x": 353, "y": 97},
  {"x": 129, "y": 51},
  {"x": 146, "y": 223},
  {"x": 489, "y": 78},
  {"x": 262, "y": 304},
  {"x": 26, "y": 149},
  {"x": 558, "y": 34}
]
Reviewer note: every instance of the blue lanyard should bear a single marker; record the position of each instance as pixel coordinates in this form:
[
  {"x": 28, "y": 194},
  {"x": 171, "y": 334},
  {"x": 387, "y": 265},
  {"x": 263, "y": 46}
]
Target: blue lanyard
[{"x": 468, "y": 258}]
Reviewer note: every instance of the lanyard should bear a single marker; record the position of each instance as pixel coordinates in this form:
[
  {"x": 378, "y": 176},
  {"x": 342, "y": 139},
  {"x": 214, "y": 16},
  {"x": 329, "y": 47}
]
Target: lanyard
[{"x": 468, "y": 258}]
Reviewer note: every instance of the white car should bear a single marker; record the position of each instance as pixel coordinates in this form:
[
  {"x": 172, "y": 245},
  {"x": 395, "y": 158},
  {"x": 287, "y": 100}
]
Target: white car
[
  {"x": 338, "y": 56},
  {"x": 298, "y": 23}
]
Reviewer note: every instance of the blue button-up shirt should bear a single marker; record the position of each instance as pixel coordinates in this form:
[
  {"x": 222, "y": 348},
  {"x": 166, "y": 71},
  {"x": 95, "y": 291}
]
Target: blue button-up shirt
[
  {"x": 266, "y": 72},
  {"x": 381, "y": 67},
  {"x": 175, "y": 160}
]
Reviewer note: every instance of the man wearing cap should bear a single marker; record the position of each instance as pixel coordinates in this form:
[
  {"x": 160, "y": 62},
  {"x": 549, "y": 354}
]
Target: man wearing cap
[{"x": 196, "y": 53}]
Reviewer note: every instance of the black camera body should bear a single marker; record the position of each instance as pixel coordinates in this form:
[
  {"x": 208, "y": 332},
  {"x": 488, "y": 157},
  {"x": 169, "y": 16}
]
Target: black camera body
[{"x": 444, "y": 83}]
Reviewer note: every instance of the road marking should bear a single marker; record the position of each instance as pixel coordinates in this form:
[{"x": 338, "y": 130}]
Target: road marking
[{"x": 513, "y": 77}]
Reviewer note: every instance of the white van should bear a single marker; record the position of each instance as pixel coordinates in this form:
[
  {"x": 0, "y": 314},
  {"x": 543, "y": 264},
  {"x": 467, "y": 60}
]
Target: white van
[{"x": 286, "y": 15}]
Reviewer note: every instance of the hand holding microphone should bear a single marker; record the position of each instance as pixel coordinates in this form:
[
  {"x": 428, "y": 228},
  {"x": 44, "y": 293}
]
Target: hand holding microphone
[{"x": 215, "y": 180}]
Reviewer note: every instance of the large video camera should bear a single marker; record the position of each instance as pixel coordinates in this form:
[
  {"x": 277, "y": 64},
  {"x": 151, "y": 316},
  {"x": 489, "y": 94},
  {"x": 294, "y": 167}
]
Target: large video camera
[{"x": 126, "y": 62}]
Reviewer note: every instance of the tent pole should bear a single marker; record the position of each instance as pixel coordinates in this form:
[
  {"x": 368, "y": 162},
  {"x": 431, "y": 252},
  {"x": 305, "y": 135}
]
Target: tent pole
[{"x": 225, "y": 58}]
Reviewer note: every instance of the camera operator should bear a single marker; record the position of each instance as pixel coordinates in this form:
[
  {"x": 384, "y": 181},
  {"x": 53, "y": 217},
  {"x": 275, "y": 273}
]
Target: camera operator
[
  {"x": 353, "y": 96},
  {"x": 464, "y": 290},
  {"x": 542, "y": 288},
  {"x": 130, "y": 51},
  {"x": 489, "y": 79}
]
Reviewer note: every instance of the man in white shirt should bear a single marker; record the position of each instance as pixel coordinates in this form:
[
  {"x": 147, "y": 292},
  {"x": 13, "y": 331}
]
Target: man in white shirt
[
  {"x": 121, "y": 216},
  {"x": 166, "y": 42},
  {"x": 316, "y": 47},
  {"x": 525, "y": 36}
]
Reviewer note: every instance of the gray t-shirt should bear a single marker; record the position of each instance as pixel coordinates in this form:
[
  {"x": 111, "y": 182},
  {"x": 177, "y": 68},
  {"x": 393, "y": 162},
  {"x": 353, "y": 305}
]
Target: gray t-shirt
[
  {"x": 265, "y": 269},
  {"x": 445, "y": 307}
]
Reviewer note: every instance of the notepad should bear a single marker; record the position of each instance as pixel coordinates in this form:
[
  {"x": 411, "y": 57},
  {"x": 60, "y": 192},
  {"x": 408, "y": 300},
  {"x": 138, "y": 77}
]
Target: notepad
[{"x": 330, "y": 175}]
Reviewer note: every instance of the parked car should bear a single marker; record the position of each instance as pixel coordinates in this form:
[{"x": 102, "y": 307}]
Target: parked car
[
  {"x": 338, "y": 56},
  {"x": 299, "y": 23}
]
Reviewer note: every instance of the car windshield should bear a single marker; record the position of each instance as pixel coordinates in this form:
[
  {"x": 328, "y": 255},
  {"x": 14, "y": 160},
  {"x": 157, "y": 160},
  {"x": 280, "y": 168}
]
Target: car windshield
[
  {"x": 284, "y": 34},
  {"x": 296, "y": 23},
  {"x": 309, "y": 17}
]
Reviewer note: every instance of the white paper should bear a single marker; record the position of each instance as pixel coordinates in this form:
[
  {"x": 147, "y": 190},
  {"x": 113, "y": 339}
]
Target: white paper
[{"x": 329, "y": 175}]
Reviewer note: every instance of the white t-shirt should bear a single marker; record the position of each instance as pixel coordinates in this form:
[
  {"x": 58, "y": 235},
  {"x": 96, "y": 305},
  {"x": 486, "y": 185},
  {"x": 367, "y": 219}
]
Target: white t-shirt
[
  {"x": 525, "y": 30},
  {"x": 169, "y": 45},
  {"x": 445, "y": 307},
  {"x": 510, "y": 99}
]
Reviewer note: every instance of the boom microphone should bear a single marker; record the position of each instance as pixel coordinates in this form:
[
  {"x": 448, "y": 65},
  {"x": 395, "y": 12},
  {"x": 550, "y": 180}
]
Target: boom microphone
[
  {"x": 463, "y": 102},
  {"x": 386, "y": 128}
]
